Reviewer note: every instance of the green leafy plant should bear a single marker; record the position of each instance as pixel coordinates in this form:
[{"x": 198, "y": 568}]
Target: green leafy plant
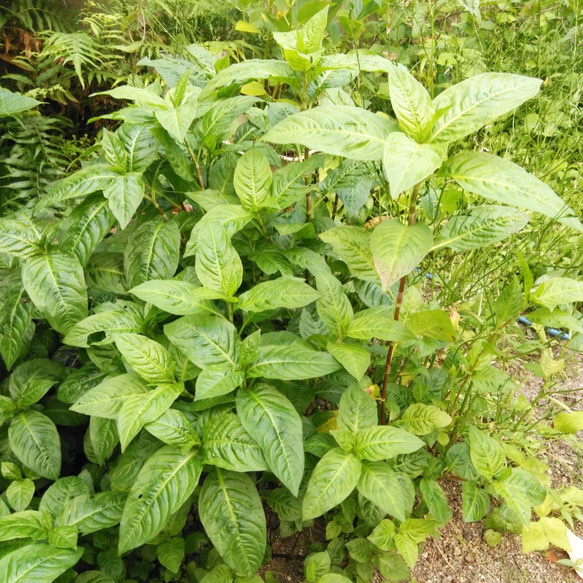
[{"x": 237, "y": 286}]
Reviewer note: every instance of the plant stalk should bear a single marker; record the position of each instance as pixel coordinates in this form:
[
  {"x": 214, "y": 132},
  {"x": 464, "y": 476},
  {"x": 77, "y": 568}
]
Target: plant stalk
[{"x": 398, "y": 304}]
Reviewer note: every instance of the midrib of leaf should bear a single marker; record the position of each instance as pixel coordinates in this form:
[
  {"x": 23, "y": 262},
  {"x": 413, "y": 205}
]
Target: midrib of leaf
[
  {"x": 331, "y": 481},
  {"x": 39, "y": 446},
  {"x": 233, "y": 516},
  {"x": 150, "y": 255},
  {"x": 479, "y": 228},
  {"x": 528, "y": 193},
  {"x": 455, "y": 118},
  {"x": 152, "y": 361},
  {"x": 279, "y": 439},
  {"x": 85, "y": 227},
  {"x": 162, "y": 485},
  {"x": 39, "y": 561},
  {"x": 218, "y": 347},
  {"x": 58, "y": 290},
  {"x": 94, "y": 512}
]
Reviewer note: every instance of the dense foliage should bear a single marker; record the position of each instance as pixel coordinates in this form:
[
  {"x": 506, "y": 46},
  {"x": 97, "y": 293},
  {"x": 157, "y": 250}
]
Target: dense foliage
[{"x": 285, "y": 281}]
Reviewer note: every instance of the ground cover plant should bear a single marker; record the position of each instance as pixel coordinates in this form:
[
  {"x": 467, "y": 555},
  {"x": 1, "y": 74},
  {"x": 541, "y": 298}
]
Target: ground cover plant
[{"x": 284, "y": 288}]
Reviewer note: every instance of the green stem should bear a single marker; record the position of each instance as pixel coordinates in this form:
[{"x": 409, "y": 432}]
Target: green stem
[{"x": 398, "y": 304}]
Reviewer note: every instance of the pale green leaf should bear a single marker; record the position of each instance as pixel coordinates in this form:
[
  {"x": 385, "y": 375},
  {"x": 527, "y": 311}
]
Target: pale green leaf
[
  {"x": 422, "y": 419},
  {"x": 406, "y": 163},
  {"x": 503, "y": 181},
  {"x": 477, "y": 101},
  {"x": 353, "y": 357},
  {"x": 341, "y": 130},
  {"x": 284, "y": 292},
  {"x": 252, "y": 181},
  {"x": 380, "y": 484},
  {"x": 332, "y": 481},
  {"x": 397, "y": 249},
  {"x": 482, "y": 226},
  {"x": 381, "y": 443},
  {"x": 92, "y": 513},
  {"x": 273, "y": 422},
  {"x": 124, "y": 193},
  {"x": 378, "y": 322},
  {"x": 56, "y": 285},
  {"x": 233, "y": 518},
  {"x": 357, "y": 410},
  {"x": 486, "y": 453},
  {"x": 163, "y": 485},
  {"x": 35, "y": 441},
  {"x": 557, "y": 291}
]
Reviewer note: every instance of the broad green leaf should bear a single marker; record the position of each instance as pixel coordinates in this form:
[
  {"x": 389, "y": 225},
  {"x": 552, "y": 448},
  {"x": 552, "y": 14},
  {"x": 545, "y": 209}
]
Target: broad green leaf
[
  {"x": 252, "y": 181},
  {"x": 16, "y": 327},
  {"x": 273, "y": 422},
  {"x": 140, "y": 145},
  {"x": 482, "y": 226},
  {"x": 521, "y": 490},
  {"x": 432, "y": 324},
  {"x": 103, "y": 439},
  {"x": 19, "y": 494},
  {"x": 140, "y": 95},
  {"x": 83, "y": 182},
  {"x": 38, "y": 563},
  {"x": 233, "y": 518},
  {"x": 163, "y": 485},
  {"x": 107, "y": 398},
  {"x": 124, "y": 193},
  {"x": 332, "y": 481},
  {"x": 378, "y": 322},
  {"x": 176, "y": 120},
  {"x": 393, "y": 567},
  {"x": 381, "y": 443},
  {"x": 380, "y": 484},
  {"x": 58, "y": 493},
  {"x": 357, "y": 410},
  {"x": 152, "y": 252},
  {"x": 284, "y": 292},
  {"x": 13, "y": 103},
  {"x": 85, "y": 228},
  {"x": 334, "y": 307},
  {"x": 436, "y": 500},
  {"x": 477, "y": 101},
  {"x": 555, "y": 319},
  {"x": 245, "y": 71},
  {"x": 503, "y": 181},
  {"x": 291, "y": 362},
  {"x": 139, "y": 409},
  {"x": 353, "y": 357},
  {"x": 90, "y": 514},
  {"x": 171, "y": 553},
  {"x": 31, "y": 380},
  {"x": 422, "y": 419},
  {"x": 148, "y": 358},
  {"x": 486, "y": 453},
  {"x": 353, "y": 246},
  {"x": 557, "y": 291},
  {"x": 475, "y": 502},
  {"x": 218, "y": 265},
  {"x": 333, "y": 578},
  {"x": 206, "y": 340},
  {"x": 342, "y": 130},
  {"x": 104, "y": 271},
  {"x": 26, "y": 524},
  {"x": 406, "y": 163},
  {"x": 397, "y": 249},
  {"x": 19, "y": 236},
  {"x": 215, "y": 381},
  {"x": 173, "y": 428},
  {"x": 99, "y": 328},
  {"x": 571, "y": 422},
  {"x": 537, "y": 536},
  {"x": 181, "y": 298},
  {"x": 383, "y": 534},
  {"x": 221, "y": 120},
  {"x": 411, "y": 103},
  {"x": 289, "y": 185},
  {"x": 35, "y": 441},
  {"x": 56, "y": 285},
  {"x": 317, "y": 565},
  {"x": 228, "y": 445},
  {"x": 229, "y": 217},
  {"x": 458, "y": 461}
]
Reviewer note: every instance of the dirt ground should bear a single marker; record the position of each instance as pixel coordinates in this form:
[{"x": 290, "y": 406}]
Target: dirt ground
[{"x": 461, "y": 554}]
